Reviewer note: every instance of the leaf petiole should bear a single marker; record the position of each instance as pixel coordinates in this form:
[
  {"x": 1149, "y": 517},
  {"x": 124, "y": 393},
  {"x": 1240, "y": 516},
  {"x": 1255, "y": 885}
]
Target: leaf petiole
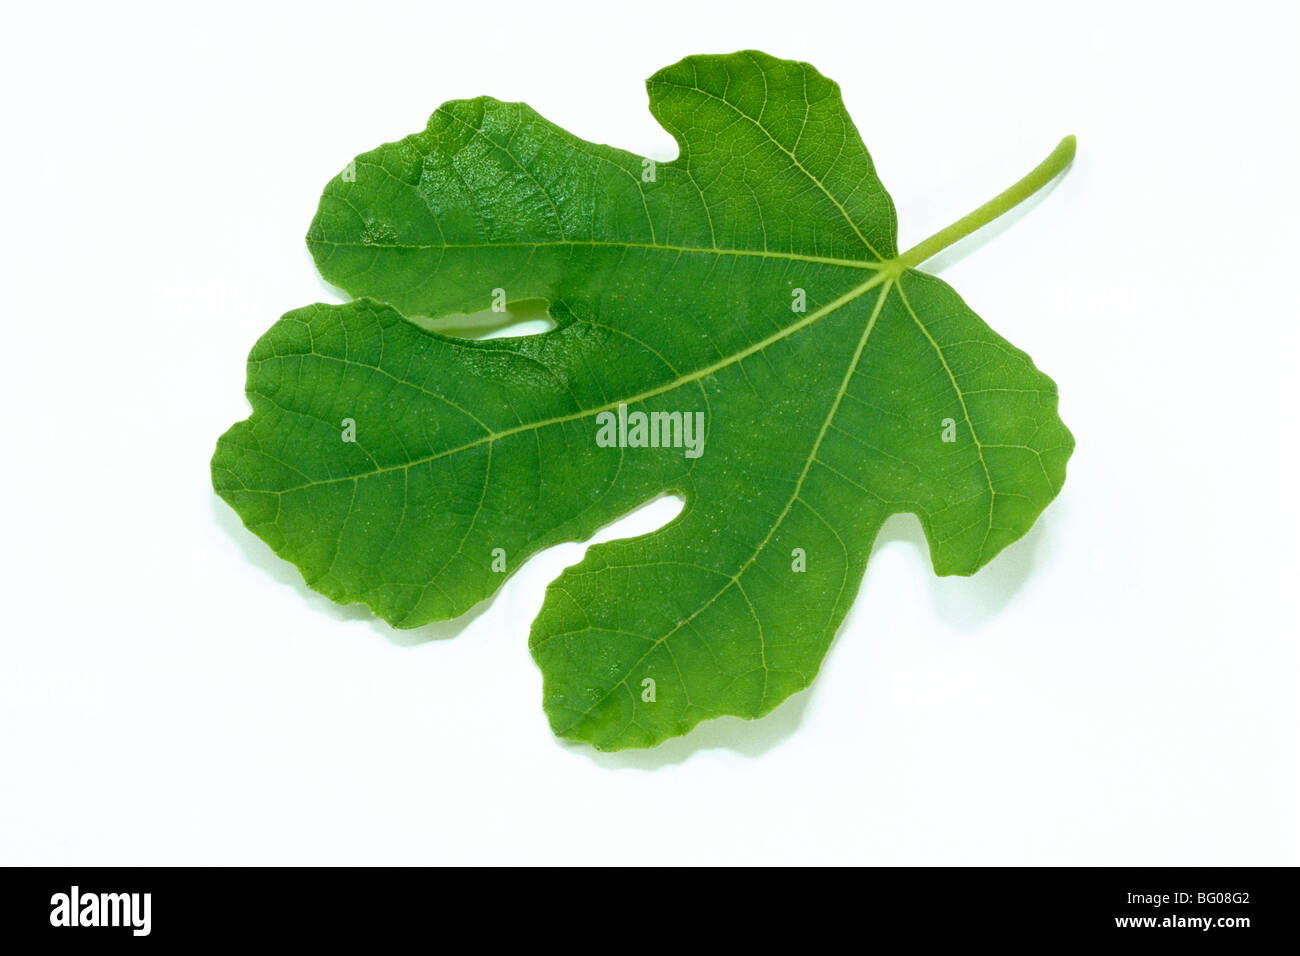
[{"x": 1004, "y": 202}]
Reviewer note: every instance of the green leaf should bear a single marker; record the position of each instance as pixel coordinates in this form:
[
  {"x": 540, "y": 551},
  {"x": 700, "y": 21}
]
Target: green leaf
[{"x": 676, "y": 289}]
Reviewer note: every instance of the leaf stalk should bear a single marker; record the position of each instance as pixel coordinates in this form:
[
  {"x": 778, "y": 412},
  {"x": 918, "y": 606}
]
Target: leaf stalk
[{"x": 999, "y": 205}]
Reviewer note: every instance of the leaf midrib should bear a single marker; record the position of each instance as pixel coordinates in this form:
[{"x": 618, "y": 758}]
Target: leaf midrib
[
  {"x": 882, "y": 275},
  {"x": 599, "y": 243}
]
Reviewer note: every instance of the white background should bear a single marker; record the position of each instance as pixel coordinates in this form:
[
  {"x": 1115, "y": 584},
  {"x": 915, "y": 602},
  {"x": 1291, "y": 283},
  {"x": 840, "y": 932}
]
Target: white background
[{"x": 1117, "y": 688}]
